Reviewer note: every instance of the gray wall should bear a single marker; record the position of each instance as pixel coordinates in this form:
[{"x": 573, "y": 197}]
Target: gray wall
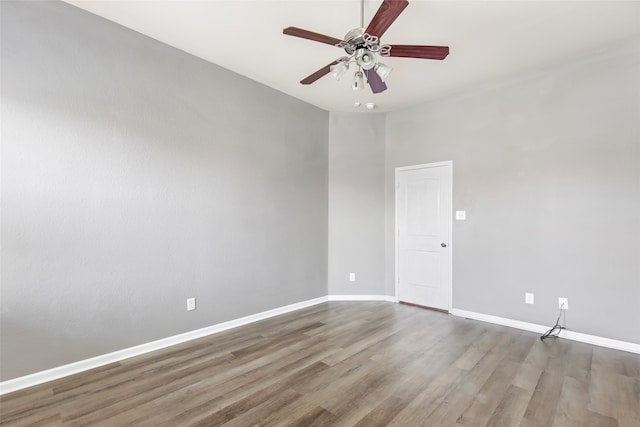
[
  {"x": 135, "y": 176},
  {"x": 548, "y": 170},
  {"x": 356, "y": 203}
]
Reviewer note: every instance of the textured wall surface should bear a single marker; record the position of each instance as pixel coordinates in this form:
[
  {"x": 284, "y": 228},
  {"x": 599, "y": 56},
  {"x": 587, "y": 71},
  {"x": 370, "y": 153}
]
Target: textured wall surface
[
  {"x": 548, "y": 170},
  {"x": 356, "y": 203},
  {"x": 135, "y": 176}
]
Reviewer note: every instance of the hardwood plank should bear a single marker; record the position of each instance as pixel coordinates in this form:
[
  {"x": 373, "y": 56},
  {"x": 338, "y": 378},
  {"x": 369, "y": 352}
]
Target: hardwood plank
[
  {"x": 318, "y": 417},
  {"x": 527, "y": 377},
  {"x": 426, "y": 402},
  {"x": 355, "y": 402},
  {"x": 489, "y": 396},
  {"x": 321, "y": 389},
  {"x": 382, "y": 413},
  {"x": 219, "y": 394},
  {"x": 511, "y": 408},
  {"x": 542, "y": 406},
  {"x": 613, "y": 394},
  {"x": 572, "y": 407}
]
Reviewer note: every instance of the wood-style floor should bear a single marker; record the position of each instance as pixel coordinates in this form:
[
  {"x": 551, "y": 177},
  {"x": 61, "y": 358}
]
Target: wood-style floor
[{"x": 349, "y": 364}]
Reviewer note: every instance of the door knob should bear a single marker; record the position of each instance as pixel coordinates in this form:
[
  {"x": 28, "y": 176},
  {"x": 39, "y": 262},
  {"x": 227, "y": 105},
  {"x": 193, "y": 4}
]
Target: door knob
[{"x": 443, "y": 244}]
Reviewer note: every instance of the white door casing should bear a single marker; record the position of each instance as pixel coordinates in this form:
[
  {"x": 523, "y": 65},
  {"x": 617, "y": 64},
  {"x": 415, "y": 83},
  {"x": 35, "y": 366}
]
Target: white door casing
[{"x": 423, "y": 234}]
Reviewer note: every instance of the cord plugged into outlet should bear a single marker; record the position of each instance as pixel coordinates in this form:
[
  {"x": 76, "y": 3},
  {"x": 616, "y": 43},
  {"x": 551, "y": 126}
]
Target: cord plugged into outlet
[
  {"x": 563, "y": 303},
  {"x": 557, "y": 328}
]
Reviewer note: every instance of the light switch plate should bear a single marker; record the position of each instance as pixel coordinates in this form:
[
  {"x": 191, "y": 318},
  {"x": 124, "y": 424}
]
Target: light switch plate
[{"x": 461, "y": 215}]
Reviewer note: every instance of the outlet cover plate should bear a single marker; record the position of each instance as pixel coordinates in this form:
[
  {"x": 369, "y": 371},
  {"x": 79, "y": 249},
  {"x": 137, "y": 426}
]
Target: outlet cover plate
[
  {"x": 352, "y": 277},
  {"x": 191, "y": 304},
  {"x": 564, "y": 301},
  {"x": 528, "y": 298}
]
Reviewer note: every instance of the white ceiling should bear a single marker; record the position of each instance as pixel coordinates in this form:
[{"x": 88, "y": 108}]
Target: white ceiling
[{"x": 489, "y": 40}]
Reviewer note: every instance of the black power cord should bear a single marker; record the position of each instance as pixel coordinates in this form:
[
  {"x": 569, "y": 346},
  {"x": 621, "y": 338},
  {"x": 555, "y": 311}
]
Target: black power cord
[{"x": 555, "y": 331}]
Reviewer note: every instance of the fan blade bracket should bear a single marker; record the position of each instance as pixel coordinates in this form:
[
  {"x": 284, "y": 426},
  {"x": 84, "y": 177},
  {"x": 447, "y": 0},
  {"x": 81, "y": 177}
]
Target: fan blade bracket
[
  {"x": 385, "y": 50},
  {"x": 370, "y": 40}
]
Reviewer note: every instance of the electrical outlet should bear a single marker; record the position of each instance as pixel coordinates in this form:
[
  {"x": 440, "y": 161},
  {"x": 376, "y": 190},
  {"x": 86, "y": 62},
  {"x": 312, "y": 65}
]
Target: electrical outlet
[
  {"x": 352, "y": 277},
  {"x": 528, "y": 298},
  {"x": 191, "y": 304},
  {"x": 563, "y": 303}
]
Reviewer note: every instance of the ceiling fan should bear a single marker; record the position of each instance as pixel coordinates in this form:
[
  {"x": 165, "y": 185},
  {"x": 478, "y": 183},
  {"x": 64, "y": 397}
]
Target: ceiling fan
[{"x": 362, "y": 47}]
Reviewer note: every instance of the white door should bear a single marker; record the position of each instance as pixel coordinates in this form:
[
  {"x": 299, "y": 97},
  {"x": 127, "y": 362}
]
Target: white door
[{"x": 423, "y": 225}]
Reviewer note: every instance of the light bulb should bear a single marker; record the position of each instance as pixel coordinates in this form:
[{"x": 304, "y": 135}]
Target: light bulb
[
  {"x": 338, "y": 70},
  {"x": 383, "y": 70},
  {"x": 366, "y": 59},
  {"x": 358, "y": 81}
]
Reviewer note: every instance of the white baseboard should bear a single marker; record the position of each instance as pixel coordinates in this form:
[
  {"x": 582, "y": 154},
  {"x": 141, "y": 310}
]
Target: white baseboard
[
  {"x": 570, "y": 335},
  {"x": 95, "y": 362},
  {"x": 386, "y": 298}
]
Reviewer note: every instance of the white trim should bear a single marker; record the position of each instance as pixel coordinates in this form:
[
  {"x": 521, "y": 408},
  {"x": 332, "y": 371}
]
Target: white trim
[
  {"x": 449, "y": 164},
  {"x": 387, "y": 298},
  {"x": 450, "y": 284},
  {"x": 425, "y": 165},
  {"x": 94, "y": 362},
  {"x": 570, "y": 335}
]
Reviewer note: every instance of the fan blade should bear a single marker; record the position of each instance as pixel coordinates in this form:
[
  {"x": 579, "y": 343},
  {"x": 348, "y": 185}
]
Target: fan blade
[
  {"x": 387, "y": 13},
  {"x": 310, "y": 35},
  {"x": 320, "y": 73},
  {"x": 415, "y": 51},
  {"x": 376, "y": 83}
]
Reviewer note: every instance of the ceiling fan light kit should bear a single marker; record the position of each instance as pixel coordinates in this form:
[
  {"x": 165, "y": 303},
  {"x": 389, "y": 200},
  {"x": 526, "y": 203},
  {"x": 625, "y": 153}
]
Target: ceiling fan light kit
[{"x": 363, "y": 48}]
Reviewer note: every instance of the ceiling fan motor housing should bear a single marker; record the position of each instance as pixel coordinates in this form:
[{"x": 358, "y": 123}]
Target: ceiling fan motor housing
[
  {"x": 353, "y": 40},
  {"x": 358, "y": 38}
]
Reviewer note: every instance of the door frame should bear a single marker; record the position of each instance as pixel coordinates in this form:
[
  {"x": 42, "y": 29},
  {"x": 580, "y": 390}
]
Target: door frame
[{"x": 398, "y": 170}]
